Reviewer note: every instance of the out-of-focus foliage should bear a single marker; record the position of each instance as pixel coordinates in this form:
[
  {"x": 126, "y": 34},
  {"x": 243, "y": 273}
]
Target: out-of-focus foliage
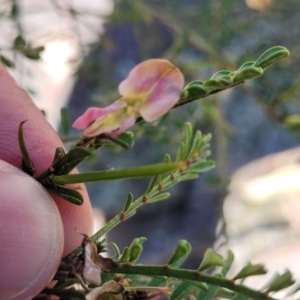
[
  {"x": 202, "y": 37},
  {"x": 220, "y": 34}
]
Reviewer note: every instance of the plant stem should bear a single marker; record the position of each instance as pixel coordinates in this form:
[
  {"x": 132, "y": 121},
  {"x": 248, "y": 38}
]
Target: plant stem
[
  {"x": 134, "y": 172},
  {"x": 184, "y": 274},
  {"x": 120, "y": 217}
]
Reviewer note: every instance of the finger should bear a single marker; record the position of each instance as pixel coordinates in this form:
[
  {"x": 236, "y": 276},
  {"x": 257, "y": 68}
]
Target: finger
[
  {"x": 41, "y": 141},
  {"x": 31, "y": 235}
]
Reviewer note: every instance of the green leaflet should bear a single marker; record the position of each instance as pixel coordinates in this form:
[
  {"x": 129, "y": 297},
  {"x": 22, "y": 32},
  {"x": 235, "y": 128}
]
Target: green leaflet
[
  {"x": 124, "y": 140},
  {"x": 128, "y": 202},
  {"x": 201, "y": 166},
  {"x": 211, "y": 292},
  {"x": 195, "y": 89},
  {"x": 211, "y": 259},
  {"x": 181, "y": 291},
  {"x": 227, "y": 262},
  {"x": 65, "y": 120},
  {"x": 136, "y": 248},
  {"x": 159, "y": 197},
  {"x": 6, "y": 61},
  {"x": 70, "y": 195},
  {"x": 180, "y": 254},
  {"x": 246, "y": 73},
  {"x": 271, "y": 56},
  {"x": 27, "y": 164},
  {"x": 251, "y": 270},
  {"x": 279, "y": 282}
]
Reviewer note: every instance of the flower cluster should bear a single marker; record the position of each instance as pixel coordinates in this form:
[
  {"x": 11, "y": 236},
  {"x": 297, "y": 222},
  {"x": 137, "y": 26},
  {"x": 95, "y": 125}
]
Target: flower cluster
[{"x": 151, "y": 89}]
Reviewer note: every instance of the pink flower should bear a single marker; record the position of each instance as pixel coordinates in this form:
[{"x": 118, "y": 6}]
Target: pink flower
[{"x": 151, "y": 89}]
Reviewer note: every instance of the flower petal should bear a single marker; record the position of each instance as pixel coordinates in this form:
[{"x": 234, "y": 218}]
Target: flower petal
[
  {"x": 110, "y": 287},
  {"x": 93, "y": 113},
  {"x": 91, "y": 271},
  {"x": 144, "y": 76},
  {"x": 163, "y": 97},
  {"x": 127, "y": 124},
  {"x": 156, "y": 83},
  {"x": 113, "y": 123},
  {"x": 151, "y": 89}
]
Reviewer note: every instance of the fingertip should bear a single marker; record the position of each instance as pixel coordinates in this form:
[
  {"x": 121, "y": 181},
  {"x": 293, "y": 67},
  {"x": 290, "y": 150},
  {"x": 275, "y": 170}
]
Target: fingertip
[
  {"x": 32, "y": 235},
  {"x": 41, "y": 141},
  {"x": 75, "y": 217}
]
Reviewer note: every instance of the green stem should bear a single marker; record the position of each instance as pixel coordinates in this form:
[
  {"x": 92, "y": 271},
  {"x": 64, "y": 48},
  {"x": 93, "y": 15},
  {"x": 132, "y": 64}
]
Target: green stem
[
  {"x": 134, "y": 172},
  {"x": 27, "y": 165},
  {"x": 184, "y": 274},
  {"x": 133, "y": 207},
  {"x": 122, "y": 216}
]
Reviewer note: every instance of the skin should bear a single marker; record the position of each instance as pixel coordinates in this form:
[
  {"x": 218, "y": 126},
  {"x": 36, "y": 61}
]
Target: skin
[{"x": 34, "y": 235}]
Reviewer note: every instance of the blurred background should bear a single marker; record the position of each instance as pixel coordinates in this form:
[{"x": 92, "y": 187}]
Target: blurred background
[{"x": 75, "y": 53}]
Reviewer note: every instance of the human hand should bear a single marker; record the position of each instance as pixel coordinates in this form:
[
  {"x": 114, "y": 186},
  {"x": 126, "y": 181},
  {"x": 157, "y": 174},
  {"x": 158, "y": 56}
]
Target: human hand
[{"x": 35, "y": 235}]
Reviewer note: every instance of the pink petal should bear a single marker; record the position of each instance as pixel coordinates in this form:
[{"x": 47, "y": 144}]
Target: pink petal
[
  {"x": 113, "y": 124},
  {"x": 146, "y": 75},
  {"x": 100, "y": 127},
  {"x": 129, "y": 122},
  {"x": 157, "y": 83},
  {"x": 93, "y": 113},
  {"x": 163, "y": 96},
  {"x": 143, "y": 77}
]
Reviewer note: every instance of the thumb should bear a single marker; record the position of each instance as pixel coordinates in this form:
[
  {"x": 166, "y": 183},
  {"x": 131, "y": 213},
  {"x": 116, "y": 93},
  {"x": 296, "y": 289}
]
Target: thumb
[
  {"x": 31, "y": 235},
  {"x": 41, "y": 141}
]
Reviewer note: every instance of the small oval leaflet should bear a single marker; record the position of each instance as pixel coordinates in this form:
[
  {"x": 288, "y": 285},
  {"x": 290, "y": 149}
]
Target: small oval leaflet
[
  {"x": 201, "y": 166},
  {"x": 271, "y": 56}
]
